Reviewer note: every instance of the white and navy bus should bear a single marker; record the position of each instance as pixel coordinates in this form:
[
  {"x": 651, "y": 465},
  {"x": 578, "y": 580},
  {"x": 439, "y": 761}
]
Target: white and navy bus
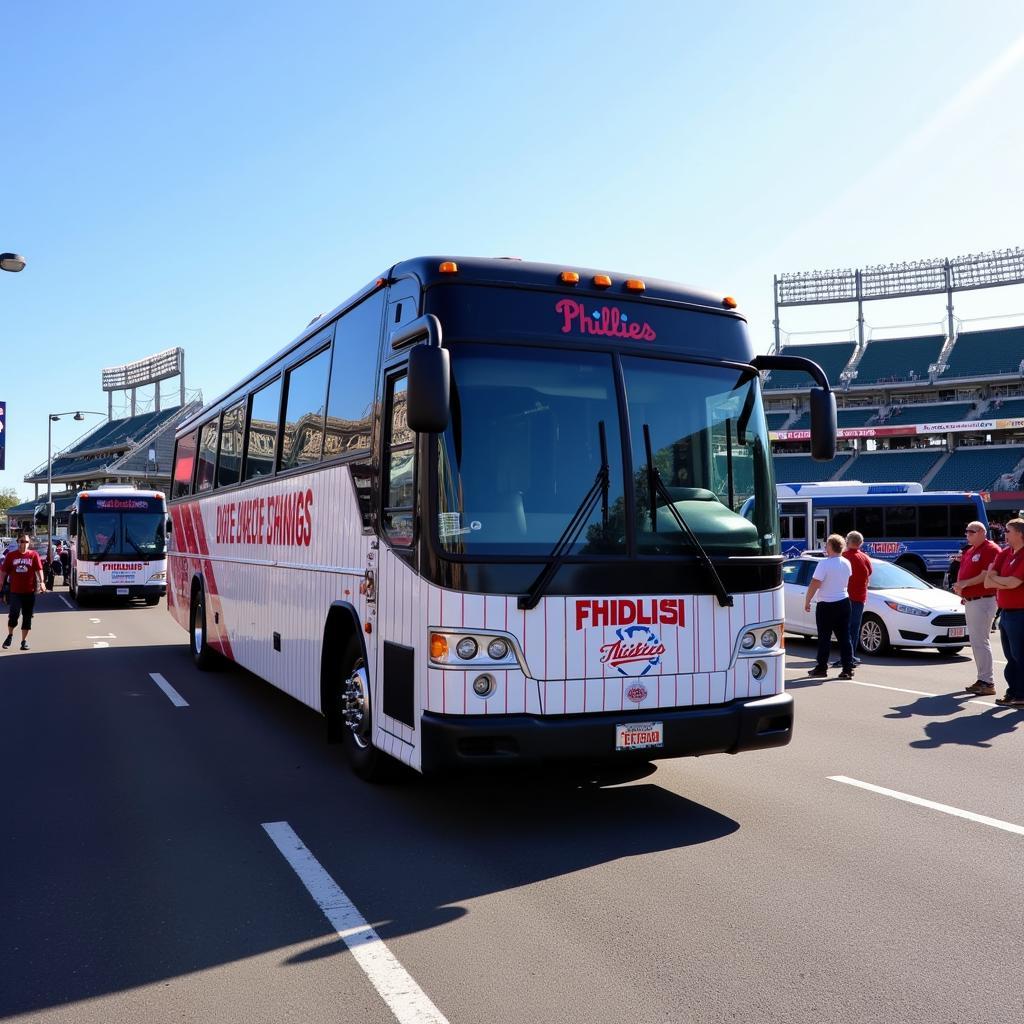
[
  {"x": 488, "y": 511},
  {"x": 118, "y": 544}
]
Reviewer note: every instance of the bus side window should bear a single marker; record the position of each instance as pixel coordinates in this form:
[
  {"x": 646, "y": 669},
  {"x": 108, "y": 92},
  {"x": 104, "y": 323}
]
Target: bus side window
[
  {"x": 302, "y": 439},
  {"x": 869, "y": 522},
  {"x": 207, "y": 456},
  {"x": 842, "y": 520},
  {"x": 229, "y": 459},
  {"x": 184, "y": 464},
  {"x": 261, "y": 431},
  {"x": 399, "y": 468}
]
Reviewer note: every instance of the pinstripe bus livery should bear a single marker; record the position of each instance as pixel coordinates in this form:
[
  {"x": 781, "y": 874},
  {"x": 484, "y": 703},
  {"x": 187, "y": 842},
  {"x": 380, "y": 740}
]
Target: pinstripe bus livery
[{"x": 488, "y": 511}]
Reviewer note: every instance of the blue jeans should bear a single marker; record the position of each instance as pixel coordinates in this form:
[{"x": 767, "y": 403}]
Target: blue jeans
[
  {"x": 1011, "y": 632},
  {"x": 856, "y": 613},
  {"x": 834, "y": 617}
]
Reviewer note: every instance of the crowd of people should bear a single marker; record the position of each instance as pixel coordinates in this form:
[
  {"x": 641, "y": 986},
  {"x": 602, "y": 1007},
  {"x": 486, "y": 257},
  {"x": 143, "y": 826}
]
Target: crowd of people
[{"x": 987, "y": 577}]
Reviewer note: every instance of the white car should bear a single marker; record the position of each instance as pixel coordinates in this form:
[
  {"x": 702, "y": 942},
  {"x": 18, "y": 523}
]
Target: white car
[{"x": 902, "y": 610}]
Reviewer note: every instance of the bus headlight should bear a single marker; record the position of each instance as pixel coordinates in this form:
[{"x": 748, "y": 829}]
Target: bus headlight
[
  {"x": 483, "y": 685},
  {"x": 769, "y": 638},
  {"x": 498, "y": 648},
  {"x": 758, "y": 669},
  {"x": 748, "y": 641},
  {"x": 160, "y": 576},
  {"x": 466, "y": 648}
]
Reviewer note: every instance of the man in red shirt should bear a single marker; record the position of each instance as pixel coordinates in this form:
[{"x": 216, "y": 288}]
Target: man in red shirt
[
  {"x": 979, "y": 603},
  {"x": 857, "y": 588},
  {"x": 1005, "y": 575},
  {"x": 24, "y": 569}
]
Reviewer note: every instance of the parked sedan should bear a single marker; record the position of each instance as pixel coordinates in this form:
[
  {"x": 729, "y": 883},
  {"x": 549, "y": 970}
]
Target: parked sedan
[{"x": 902, "y": 610}]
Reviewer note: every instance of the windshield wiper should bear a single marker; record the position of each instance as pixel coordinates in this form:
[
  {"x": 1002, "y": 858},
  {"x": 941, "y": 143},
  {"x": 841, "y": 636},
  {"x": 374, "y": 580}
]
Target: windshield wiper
[
  {"x": 656, "y": 488},
  {"x": 598, "y": 489}
]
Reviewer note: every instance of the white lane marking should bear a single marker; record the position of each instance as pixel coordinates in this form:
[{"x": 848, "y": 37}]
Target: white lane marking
[
  {"x": 921, "y": 693},
  {"x": 66, "y": 601},
  {"x": 982, "y": 819},
  {"x": 102, "y": 636},
  {"x": 101, "y": 643},
  {"x": 172, "y": 694},
  {"x": 406, "y": 1000},
  {"x": 94, "y": 620}
]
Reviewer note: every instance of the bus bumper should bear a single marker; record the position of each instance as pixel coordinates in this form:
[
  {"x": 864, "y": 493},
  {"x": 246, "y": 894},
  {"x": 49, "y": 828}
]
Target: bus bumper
[
  {"x": 461, "y": 740},
  {"x": 129, "y": 590}
]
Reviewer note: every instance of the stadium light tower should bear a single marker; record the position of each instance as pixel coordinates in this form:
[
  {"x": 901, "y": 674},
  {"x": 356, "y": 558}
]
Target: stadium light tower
[
  {"x": 11, "y": 261},
  {"x": 80, "y": 415}
]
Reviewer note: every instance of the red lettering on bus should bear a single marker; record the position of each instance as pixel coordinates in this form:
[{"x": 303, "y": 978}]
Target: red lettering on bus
[
  {"x": 665, "y": 611},
  {"x": 608, "y": 321}
]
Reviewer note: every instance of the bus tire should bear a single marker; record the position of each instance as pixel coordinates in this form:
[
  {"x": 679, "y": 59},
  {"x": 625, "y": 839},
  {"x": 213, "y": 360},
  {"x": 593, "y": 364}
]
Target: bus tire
[
  {"x": 355, "y": 715},
  {"x": 152, "y": 600},
  {"x": 874, "y": 637},
  {"x": 198, "y": 640},
  {"x": 914, "y": 565}
]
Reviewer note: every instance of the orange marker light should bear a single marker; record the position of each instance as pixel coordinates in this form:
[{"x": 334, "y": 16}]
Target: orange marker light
[
  {"x": 448, "y": 267},
  {"x": 634, "y": 285},
  {"x": 438, "y": 647},
  {"x": 569, "y": 277},
  {"x": 602, "y": 281},
  {"x": 729, "y": 302}
]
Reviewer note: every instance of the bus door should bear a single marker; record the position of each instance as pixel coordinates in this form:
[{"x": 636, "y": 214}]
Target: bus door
[
  {"x": 821, "y": 530},
  {"x": 794, "y": 524}
]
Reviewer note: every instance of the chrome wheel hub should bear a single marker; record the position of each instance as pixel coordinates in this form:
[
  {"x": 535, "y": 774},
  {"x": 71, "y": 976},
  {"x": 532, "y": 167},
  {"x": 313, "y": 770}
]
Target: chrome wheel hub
[
  {"x": 355, "y": 705},
  {"x": 870, "y": 636}
]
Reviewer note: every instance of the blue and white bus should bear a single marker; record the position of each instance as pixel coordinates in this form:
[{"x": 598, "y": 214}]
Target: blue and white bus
[{"x": 902, "y": 522}]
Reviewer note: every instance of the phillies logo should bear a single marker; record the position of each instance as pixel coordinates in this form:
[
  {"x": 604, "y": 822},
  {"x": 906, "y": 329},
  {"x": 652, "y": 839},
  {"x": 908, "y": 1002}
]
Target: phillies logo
[
  {"x": 887, "y": 547},
  {"x": 636, "y": 651},
  {"x": 636, "y": 693},
  {"x": 608, "y": 321}
]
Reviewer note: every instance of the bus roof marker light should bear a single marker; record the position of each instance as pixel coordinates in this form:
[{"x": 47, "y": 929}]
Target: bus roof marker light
[
  {"x": 635, "y": 285},
  {"x": 729, "y": 302},
  {"x": 602, "y": 281},
  {"x": 448, "y": 267},
  {"x": 569, "y": 277}
]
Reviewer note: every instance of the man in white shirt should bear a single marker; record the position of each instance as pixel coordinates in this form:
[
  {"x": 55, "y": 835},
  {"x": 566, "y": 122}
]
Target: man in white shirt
[{"x": 832, "y": 614}]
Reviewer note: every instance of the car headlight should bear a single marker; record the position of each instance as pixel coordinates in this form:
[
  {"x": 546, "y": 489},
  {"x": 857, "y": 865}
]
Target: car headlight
[{"x": 906, "y": 609}]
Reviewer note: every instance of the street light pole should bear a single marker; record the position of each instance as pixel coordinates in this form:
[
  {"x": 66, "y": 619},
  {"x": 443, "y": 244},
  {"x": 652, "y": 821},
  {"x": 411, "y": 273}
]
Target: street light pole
[{"x": 80, "y": 415}]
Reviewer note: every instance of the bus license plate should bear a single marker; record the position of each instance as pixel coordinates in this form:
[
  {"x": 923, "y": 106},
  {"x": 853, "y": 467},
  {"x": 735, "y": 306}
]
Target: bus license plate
[
  {"x": 956, "y": 631},
  {"x": 638, "y": 735},
  {"x": 122, "y": 590}
]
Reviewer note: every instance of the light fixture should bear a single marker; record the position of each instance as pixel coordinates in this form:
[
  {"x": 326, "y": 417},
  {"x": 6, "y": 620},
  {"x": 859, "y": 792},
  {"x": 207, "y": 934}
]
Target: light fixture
[{"x": 12, "y": 261}]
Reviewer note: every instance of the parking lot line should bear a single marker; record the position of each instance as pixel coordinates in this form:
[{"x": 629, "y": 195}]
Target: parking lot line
[
  {"x": 406, "y": 1000},
  {"x": 920, "y": 693},
  {"x": 172, "y": 694},
  {"x": 982, "y": 819}
]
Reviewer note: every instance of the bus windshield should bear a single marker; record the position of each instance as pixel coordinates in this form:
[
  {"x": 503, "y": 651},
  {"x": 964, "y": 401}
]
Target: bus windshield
[
  {"x": 118, "y": 535},
  {"x": 523, "y": 448}
]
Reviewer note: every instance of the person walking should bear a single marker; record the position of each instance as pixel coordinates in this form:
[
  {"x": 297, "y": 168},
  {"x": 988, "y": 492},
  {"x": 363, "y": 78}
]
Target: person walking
[
  {"x": 24, "y": 569},
  {"x": 979, "y": 603},
  {"x": 860, "y": 573},
  {"x": 832, "y": 614},
  {"x": 1005, "y": 575}
]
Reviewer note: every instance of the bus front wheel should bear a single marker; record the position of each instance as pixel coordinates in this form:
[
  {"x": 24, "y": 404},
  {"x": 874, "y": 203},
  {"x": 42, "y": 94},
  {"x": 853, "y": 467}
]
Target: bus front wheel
[
  {"x": 355, "y": 713},
  {"x": 199, "y": 642}
]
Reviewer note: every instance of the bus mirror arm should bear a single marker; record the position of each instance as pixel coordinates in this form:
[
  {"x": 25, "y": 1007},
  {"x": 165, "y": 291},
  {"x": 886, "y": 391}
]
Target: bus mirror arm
[
  {"x": 428, "y": 397},
  {"x": 823, "y": 401}
]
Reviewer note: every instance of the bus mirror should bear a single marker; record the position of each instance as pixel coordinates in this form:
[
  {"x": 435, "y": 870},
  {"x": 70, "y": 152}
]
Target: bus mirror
[
  {"x": 823, "y": 425},
  {"x": 73, "y": 525},
  {"x": 427, "y": 394}
]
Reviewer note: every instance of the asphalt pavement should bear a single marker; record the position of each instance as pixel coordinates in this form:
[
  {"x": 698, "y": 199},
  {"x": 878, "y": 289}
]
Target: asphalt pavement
[{"x": 867, "y": 872}]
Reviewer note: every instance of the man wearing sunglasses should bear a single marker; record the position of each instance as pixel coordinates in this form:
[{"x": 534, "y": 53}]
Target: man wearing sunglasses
[
  {"x": 979, "y": 603},
  {"x": 24, "y": 569}
]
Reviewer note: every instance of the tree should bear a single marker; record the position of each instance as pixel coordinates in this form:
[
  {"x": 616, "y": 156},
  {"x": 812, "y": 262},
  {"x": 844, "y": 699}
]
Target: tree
[{"x": 8, "y": 499}]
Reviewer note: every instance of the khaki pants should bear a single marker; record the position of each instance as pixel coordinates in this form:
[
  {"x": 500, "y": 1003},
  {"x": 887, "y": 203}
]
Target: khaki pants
[{"x": 980, "y": 614}]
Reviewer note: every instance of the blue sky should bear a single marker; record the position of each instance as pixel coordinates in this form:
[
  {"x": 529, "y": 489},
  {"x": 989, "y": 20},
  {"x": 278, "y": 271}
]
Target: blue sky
[{"x": 214, "y": 174}]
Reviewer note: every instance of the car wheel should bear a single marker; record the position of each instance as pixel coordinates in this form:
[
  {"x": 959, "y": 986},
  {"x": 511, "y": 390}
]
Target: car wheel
[
  {"x": 874, "y": 637},
  {"x": 948, "y": 652}
]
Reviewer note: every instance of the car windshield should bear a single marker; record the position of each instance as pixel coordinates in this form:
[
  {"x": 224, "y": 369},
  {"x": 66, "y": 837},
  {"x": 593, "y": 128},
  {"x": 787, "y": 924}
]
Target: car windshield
[
  {"x": 886, "y": 576},
  {"x": 523, "y": 448}
]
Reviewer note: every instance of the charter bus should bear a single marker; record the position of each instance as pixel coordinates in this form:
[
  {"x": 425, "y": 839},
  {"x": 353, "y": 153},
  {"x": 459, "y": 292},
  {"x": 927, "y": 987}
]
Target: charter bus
[
  {"x": 488, "y": 511},
  {"x": 902, "y": 522},
  {"x": 118, "y": 544}
]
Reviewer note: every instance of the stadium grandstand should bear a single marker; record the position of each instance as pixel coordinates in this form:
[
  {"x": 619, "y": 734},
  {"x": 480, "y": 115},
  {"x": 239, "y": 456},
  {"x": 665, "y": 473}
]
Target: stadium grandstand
[
  {"x": 943, "y": 404},
  {"x": 136, "y": 448}
]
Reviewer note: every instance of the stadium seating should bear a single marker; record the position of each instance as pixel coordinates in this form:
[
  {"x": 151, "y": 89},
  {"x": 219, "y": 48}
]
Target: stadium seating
[
  {"x": 907, "y": 415},
  {"x": 975, "y": 468},
  {"x": 776, "y": 419},
  {"x": 116, "y": 433},
  {"x": 844, "y": 418},
  {"x": 831, "y": 357},
  {"x": 802, "y": 469},
  {"x": 898, "y": 359},
  {"x": 986, "y": 353},
  {"x": 876, "y": 467},
  {"x": 1011, "y": 408}
]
